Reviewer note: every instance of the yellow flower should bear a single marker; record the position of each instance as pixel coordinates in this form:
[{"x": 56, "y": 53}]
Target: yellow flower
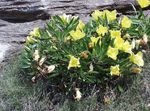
[
  {"x": 65, "y": 18},
  {"x": 114, "y": 70},
  {"x": 111, "y": 15},
  {"x": 94, "y": 40},
  {"x": 76, "y": 35},
  {"x": 35, "y": 32},
  {"x": 102, "y": 30},
  {"x": 74, "y": 62},
  {"x": 115, "y": 33},
  {"x": 119, "y": 42},
  {"x": 81, "y": 25},
  {"x": 127, "y": 47},
  {"x": 31, "y": 40},
  {"x": 126, "y": 22},
  {"x": 137, "y": 59},
  {"x": 143, "y": 3},
  {"x": 96, "y": 14},
  {"x": 112, "y": 53}
]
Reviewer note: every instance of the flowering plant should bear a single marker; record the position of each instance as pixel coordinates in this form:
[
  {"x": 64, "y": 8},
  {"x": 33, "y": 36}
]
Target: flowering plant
[{"x": 68, "y": 50}]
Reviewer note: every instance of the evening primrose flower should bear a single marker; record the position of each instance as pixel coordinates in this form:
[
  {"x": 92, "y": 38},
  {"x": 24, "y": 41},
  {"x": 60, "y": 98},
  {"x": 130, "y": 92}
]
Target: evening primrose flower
[
  {"x": 111, "y": 15},
  {"x": 115, "y": 70},
  {"x": 112, "y": 52},
  {"x": 143, "y": 3},
  {"x": 118, "y": 42},
  {"x": 30, "y": 39},
  {"x": 74, "y": 62},
  {"x": 65, "y": 18},
  {"x": 81, "y": 25},
  {"x": 126, "y": 22},
  {"x": 115, "y": 33},
  {"x": 96, "y": 14},
  {"x": 127, "y": 47},
  {"x": 137, "y": 59},
  {"x": 76, "y": 35},
  {"x": 94, "y": 40},
  {"x": 101, "y": 30},
  {"x": 35, "y": 32}
]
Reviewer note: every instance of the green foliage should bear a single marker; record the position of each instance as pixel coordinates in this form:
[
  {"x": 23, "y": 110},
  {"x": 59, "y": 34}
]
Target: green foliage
[{"x": 69, "y": 52}]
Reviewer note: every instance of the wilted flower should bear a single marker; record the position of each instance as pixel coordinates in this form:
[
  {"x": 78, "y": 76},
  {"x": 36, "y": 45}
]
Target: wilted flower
[
  {"x": 112, "y": 52},
  {"x": 50, "y": 68},
  {"x": 78, "y": 94},
  {"x": 143, "y": 3},
  {"x": 114, "y": 70},
  {"x": 74, "y": 62},
  {"x": 136, "y": 70},
  {"x": 102, "y": 30},
  {"x": 36, "y": 55},
  {"x": 76, "y": 35},
  {"x": 84, "y": 54},
  {"x": 137, "y": 59},
  {"x": 42, "y": 61},
  {"x": 126, "y": 22}
]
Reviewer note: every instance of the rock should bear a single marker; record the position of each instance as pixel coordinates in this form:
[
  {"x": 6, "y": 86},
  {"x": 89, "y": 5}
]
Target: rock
[
  {"x": 3, "y": 49},
  {"x": 17, "y": 32},
  {"x": 29, "y": 10}
]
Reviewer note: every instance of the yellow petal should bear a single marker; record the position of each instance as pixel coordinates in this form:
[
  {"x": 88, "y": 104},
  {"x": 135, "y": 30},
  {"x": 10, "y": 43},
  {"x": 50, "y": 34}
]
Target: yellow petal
[
  {"x": 119, "y": 42},
  {"x": 126, "y": 22},
  {"x": 114, "y": 70},
  {"x": 96, "y": 14},
  {"x": 35, "y": 32},
  {"x": 127, "y": 47},
  {"x": 76, "y": 35},
  {"x": 74, "y": 62},
  {"x": 112, "y": 53},
  {"x": 101, "y": 30},
  {"x": 115, "y": 33},
  {"x": 81, "y": 25},
  {"x": 143, "y": 3},
  {"x": 111, "y": 15},
  {"x": 137, "y": 59}
]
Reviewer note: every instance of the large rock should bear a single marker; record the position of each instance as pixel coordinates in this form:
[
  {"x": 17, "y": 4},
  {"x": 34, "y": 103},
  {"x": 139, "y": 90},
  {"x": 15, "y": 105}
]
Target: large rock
[{"x": 27, "y": 10}]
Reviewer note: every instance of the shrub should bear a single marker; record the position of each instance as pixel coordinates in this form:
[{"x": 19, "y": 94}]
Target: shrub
[{"x": 70, "y": 52}]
